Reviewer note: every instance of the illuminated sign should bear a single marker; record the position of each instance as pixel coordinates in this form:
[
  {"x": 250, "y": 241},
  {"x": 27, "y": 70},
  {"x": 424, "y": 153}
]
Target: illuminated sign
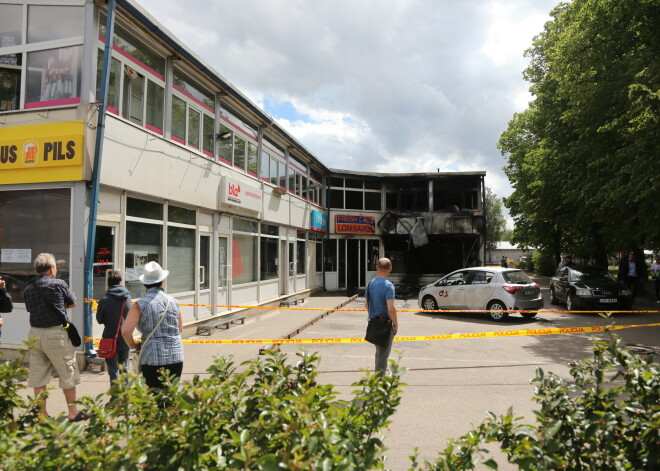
[
  {"x": 239, "y": 194},
  {"x": 319, "y": 221},
  {"x": 42, "y": 153},
  {"x": 355, "y": 224}
]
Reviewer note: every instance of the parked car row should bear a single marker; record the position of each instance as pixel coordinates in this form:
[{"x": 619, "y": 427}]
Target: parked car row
[{"x": 498, "y": 289}]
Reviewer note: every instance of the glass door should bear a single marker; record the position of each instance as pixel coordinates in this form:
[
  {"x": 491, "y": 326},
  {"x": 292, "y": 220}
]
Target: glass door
[
  {"x": 104, "y": 259},
  {"x": 203, "y": 292},
  {"x": 222, "y": 293}
]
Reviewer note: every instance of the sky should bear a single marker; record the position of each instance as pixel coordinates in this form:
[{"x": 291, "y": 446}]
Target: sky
[{"x": 375, "y": 85}]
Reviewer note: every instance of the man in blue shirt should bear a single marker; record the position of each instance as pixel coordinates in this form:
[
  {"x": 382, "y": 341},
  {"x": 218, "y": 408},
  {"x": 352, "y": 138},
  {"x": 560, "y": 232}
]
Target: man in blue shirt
[{"x": 379, "y": 301}]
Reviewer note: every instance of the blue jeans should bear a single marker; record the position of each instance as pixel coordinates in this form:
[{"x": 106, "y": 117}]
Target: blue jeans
[{"x": 119, "y": 361}]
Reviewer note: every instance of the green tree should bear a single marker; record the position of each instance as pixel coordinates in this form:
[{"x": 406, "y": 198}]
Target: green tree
[
  {"x": 495, "y": 222},
  {"x": 583, "y": 159}
]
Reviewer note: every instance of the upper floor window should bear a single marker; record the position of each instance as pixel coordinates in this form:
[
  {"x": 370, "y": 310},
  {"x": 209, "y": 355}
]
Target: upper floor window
[
  {"x": 49, "y": 23},
  {"x": 193, "y": 114}
]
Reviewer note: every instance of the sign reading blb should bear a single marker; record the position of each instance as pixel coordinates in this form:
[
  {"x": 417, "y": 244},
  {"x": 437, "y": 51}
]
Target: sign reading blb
[
  {"x": 319, "y": 221},
  {"x": 355, "y": 224}
]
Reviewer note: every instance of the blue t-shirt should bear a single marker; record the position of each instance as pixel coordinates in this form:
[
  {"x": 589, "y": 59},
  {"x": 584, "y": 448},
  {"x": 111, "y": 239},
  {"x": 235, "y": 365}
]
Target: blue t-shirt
[{"x": 378, "y": 292}]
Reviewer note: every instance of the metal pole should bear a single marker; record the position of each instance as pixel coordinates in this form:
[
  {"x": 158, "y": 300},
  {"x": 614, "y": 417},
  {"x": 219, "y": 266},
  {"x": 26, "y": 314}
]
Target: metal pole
[{"x": 96, "y": 176}]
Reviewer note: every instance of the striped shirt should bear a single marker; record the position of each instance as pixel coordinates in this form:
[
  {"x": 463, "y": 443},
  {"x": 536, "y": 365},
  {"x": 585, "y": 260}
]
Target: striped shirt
[{"x": 165, "y": 346}]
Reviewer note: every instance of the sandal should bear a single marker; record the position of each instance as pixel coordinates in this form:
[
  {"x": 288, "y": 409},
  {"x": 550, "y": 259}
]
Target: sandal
[{"x": 82, "y": 415}]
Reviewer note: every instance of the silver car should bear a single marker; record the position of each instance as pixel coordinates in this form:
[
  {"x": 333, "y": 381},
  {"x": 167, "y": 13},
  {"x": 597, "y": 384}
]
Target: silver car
[{"x": 495, "y": 289}]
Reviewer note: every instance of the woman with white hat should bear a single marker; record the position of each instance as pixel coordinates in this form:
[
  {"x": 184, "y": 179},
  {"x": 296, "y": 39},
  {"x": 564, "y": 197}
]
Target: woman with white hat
[{"x": 158, "y": 317}]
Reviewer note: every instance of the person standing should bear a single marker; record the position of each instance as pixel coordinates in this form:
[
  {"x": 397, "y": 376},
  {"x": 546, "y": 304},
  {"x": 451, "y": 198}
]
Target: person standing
[
  {"x": 158, "y": 318},
  {"x": 111, "y": 312},
  {"x": 5, "y": 302},
  {"x": 655, "y": 274},
  {"x": 503, "y": 263},
  {"x": 629, "y": 272},
  {"x": 379, "y": 302},
  {"x": 47, "y": 300}
]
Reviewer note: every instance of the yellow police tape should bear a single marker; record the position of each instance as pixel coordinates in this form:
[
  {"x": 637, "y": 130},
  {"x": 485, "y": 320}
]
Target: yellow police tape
[
  {"x": 437, "y": 311},
  {"x": 470, "y": 335}
]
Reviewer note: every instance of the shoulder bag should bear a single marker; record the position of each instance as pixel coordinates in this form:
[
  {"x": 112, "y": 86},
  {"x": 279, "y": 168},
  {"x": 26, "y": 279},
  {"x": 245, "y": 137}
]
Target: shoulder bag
[
  {"x": 108, "y": 347},
  {"x": 138, "y": 365},
  {"x": 71, "y": 330},
  {"x": 379, "y": 329}
]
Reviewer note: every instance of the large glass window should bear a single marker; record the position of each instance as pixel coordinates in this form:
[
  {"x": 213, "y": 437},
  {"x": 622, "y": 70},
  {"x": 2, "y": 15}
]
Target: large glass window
[
  {"x": 54, "y": 75},
  {"x": 354, "y": 199},
  {"x": 292, "y": 180},
  {"x": 181, "y": 215},
  {"x": 144, "y": 209},
  {"x": 281, "y": 168},
  {"x": 273, "y": 171},
  {"x": 372, "y": 201},
  {"x": 265, "y": 165},
  {"x": 180, "y": 259},
  {"x": 32, "y": 222},
  {"x": 300, "y": 261},
  {"x": 11, "y": 25},
  {"x": 133, "y": 103},
  {"x": 269, "y": 258},
  {"x": 193, "y": 128},
  {"x": 226, "y": 144},
  {"x": 140, "y": 53},
  {"x": 222, "y": 262},
  {"x": 155, "y": 104},
  {"x": 113, "y": 82},
  {"x": 208, "y": 136},
  {"x": 197, "y": 93},
  {"x": 10, "y": 81},
  {"x": 252, "y": 159},
  {"x": 244, "y": 258},
  {"x": 319, "y": 257},
  {"x": 143, "y": 245},
  {"x": 178, "y": 119},
  {"x": 239, "y": 153},
  {"x": 47, "y": 23}
]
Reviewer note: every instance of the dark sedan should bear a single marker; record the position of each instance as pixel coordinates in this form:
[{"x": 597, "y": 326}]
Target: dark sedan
[{"x": 588, "y": 288}]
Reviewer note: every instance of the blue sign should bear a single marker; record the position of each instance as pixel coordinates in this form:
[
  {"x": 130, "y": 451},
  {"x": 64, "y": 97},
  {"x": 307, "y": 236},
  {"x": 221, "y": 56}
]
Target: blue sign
[{"x": 319, "y": 221}]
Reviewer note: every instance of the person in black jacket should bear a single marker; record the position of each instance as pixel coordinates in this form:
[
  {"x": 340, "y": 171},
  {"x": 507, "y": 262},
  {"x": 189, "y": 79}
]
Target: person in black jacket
[
  {"x": 5, "y": 302},
  {"x": 630, "y": 272},
  {"x": 110, "y": 307}
]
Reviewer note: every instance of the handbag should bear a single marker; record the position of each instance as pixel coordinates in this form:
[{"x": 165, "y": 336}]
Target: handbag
[
  {"x": 138, "y": 362},
  {"x": 379, "y": 331},
  {"x": 108, "y": 346},
  {"x": 71, "y": 330}
]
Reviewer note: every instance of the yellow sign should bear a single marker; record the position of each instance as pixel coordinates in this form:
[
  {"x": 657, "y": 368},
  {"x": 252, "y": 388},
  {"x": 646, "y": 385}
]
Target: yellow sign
[{"x": 41, "y": 153}]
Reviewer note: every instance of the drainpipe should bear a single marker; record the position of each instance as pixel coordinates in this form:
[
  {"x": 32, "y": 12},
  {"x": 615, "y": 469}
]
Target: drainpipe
[{"x": 96, "y": 176}]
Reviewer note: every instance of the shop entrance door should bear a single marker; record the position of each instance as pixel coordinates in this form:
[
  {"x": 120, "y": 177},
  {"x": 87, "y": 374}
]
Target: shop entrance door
[
  {"x": 222, "y": 293},
  {"x": 104, "y": 259},
  {"x": 353, "y": 266},
  {"x": 203, "y": 291},
  {"x": 283, "y": 268}
]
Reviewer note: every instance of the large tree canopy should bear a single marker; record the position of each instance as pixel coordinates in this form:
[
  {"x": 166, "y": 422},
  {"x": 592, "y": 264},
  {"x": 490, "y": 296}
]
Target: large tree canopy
[{"x": 584, "y": 158}]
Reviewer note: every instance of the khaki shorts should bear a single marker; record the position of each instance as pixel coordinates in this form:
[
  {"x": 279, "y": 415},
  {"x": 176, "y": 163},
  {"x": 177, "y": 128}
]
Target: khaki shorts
[{"x": 51, "y": 348}]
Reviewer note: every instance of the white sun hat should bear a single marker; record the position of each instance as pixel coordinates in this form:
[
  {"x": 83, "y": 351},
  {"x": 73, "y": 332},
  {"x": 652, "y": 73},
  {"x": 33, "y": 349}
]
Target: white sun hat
[{"x": 153, "y": 273}]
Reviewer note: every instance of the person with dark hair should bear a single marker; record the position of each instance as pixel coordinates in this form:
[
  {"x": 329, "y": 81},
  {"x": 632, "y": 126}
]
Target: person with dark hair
[
  {"x": 379, "y": 302},
  {"x": 47, "y": 300},
  {"x": 158, "y": 318},
  {"x": 630, "y": 272},
  {"x": 111, "y": 312},
  {"x": 5, "y": 302}
]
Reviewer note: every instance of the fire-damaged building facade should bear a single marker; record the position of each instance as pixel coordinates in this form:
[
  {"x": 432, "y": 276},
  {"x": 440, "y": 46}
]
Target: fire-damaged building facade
[{"x": 428, "y": 224}]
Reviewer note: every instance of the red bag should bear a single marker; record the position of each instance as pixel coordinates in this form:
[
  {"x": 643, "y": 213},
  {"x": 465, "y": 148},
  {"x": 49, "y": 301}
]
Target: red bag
[{"x": 108, "y": 347}]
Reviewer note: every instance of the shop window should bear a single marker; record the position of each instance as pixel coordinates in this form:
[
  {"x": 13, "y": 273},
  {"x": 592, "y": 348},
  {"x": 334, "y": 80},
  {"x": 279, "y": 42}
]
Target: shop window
[
  {"x": 48, "y": 23},
  {"x": 40, "y": 222},
  {"x": 180, "y": 259},
  {"x": 53, "y": 76},
  {"x": 10, "y": 81},
  {"x": 372, "y": 201},
  {"x": 155, "y": 103},
  {"x": 11, "y": 25},
  {"x": 178, "y": 119},
  {"x": 144, "y": 209},
  {"x": 208, "y": 137},
  {"x": 268, "y": 229},
  {"x": 133, "y": 103},
  {"x": 354, "y": 200},
  {"x": 318, "y": 258},
  {"x": 268, "y": 262},
  {"x": 143, "y": 245},
  {"x": 243, "y": 225},
  {"x": 113, "y": 82},
  {"x": 244, "y": 258},
  {"x": 239, "y": 153},
  {"x": 265, "y": 165},
  {"x": 252, "y": 159},
  {"x": 181, "y": 215},
  {"x": 193, "y": 128},
  {"x": 337, "y": 199},
  {"x": 226, "y": 144},
  {"x": 300, "y": 262}
]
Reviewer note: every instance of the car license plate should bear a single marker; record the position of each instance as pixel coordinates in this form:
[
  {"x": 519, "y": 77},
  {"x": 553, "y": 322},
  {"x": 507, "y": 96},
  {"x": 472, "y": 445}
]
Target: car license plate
[
  {"x": 608, "y": 300},
  {"x": 528, "y": 292}
]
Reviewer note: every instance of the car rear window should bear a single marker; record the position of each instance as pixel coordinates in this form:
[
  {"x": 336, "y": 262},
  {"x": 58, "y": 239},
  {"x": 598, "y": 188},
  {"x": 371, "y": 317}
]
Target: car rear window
[{"x": 517, "y": 276}]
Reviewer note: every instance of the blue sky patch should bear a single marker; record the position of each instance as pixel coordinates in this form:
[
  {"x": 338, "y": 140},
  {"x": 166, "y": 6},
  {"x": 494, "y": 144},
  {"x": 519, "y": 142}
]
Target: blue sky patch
[{"x": 285, "y": 110}]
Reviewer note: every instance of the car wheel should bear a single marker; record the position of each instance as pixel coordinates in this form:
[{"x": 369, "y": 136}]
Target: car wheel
[
  {"x": 429, "y": 304},
  {"x": 496, "y": 307},
  {"x": 528, "y": 315},
  {"x": 553, "y": 298},
  {"x": 569, "y": 302}
]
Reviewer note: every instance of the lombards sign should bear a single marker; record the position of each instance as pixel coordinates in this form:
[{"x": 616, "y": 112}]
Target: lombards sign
[
  {"x": 236, "y": 193},
  {"x": 41, "y": 153}
]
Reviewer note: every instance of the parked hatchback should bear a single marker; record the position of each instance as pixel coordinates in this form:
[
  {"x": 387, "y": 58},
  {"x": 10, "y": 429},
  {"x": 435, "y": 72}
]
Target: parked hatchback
[
  {"x": 495, "y": 289},
  {"x": 585, "y": 287}
]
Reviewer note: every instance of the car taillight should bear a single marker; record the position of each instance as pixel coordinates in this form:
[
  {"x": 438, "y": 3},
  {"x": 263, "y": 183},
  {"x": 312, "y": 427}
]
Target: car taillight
[
  {"x": 536, "y": 285},
  {"x": 511, "y": 289}
]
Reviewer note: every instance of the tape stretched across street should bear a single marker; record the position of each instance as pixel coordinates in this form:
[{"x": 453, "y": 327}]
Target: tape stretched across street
[
  {"x": 438, "y": 311},
  {"x": 470, "y": 335}
]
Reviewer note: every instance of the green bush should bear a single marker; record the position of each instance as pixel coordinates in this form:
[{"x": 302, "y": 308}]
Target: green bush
[
  {"x": 607, "y": 418},
  {"x": 268, "y": 416},
  {"x": 544, "y": 263}
]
